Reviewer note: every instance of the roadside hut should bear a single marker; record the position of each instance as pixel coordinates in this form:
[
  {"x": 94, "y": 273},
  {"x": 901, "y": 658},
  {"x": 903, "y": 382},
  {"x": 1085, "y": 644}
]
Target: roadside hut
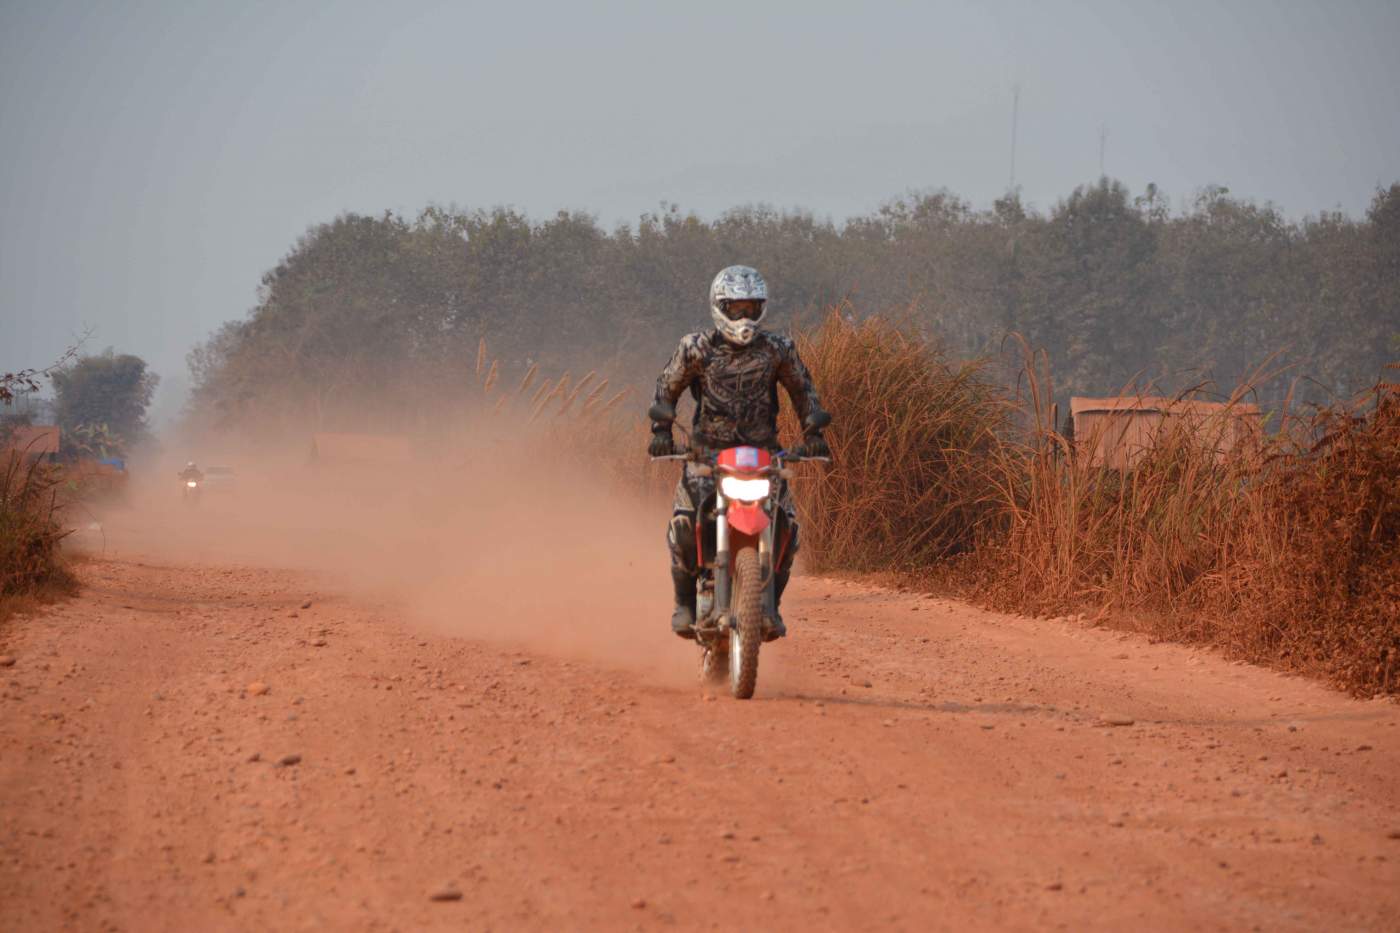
[{"x": 1115, "y": 432}]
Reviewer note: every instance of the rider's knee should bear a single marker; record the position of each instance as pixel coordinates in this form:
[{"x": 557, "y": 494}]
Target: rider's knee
[{"x": 680, "y": 536}]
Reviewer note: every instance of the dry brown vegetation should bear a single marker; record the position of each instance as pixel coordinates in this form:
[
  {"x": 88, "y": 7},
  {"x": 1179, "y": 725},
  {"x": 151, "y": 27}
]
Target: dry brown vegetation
[
  {"x": 585, "y": 422},
  {"x": 1285, "y": 551},
  {"x": 30, "y": 531},
  {"x": 912, "y": 448},
  {"x": 1308, "y": 573}
]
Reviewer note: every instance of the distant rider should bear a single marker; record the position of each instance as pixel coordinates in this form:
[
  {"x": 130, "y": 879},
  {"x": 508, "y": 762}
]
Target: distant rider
[
  {"x": 191, "y": 472},
  {"x": 732, "y": 372}
]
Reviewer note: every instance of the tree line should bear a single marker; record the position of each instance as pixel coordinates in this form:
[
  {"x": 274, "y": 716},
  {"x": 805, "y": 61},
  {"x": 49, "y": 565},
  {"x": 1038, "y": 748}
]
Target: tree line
[{"x": 371, "y": 319}]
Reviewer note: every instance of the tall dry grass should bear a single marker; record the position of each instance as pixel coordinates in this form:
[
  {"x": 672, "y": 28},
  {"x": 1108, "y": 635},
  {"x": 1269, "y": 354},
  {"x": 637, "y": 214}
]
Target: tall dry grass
[
  {"x": 912, "y": 437},
  {"x": 1308, "y": 575},
  {"x": 1281, "y": 546},
  {"x": 30, "y": 530},
  {"x": 587, "y": 422},
  {"x": 1079, "y": 532},
  {"x": 913, "y": 440}
]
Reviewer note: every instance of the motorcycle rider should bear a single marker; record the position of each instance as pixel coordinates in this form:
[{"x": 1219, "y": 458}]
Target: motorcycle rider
[
  {"x": 732, "y": 372},
  {"x": 191, "y": 472}
]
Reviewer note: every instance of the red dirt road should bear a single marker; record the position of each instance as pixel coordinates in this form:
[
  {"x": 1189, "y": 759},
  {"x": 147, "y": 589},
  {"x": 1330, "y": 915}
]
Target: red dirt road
[{"x": 908, "y": 764}]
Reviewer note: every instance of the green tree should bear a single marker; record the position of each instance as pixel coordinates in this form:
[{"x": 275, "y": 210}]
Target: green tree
[
  {"x": 109, "y": 390},
  {"x": 1097, "y": 289},
  {"x": 1383, "y": 272}
]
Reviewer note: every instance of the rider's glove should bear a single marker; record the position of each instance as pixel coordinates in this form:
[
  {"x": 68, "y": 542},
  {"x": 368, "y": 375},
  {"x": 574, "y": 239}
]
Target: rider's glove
[
  {"x": 661, "y": 444},
  {"x": 814, "y": 445}
]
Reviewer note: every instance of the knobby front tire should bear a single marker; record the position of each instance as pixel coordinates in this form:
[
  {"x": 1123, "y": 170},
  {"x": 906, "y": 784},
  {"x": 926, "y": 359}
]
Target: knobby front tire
[{"x": 747, "y": 636}]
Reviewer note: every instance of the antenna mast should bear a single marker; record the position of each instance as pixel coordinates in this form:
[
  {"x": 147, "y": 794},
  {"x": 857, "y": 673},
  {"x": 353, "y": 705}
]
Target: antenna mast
[
  {"x": 1015, "y": 116},
  {"x": 1103, "y": 142}
]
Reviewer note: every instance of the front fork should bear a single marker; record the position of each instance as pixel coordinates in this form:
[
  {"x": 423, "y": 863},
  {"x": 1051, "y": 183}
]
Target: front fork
[
  {"x": 723, "y": 583},
  {"x": 722, "y": 557}
]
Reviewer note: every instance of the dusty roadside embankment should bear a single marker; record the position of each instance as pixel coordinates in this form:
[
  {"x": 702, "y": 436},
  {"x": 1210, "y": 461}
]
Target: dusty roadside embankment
[{"x": 909, "y": 763}]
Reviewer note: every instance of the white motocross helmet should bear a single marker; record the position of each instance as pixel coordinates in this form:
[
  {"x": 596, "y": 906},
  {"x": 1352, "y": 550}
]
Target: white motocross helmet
[{"x": 738, "y": 283}]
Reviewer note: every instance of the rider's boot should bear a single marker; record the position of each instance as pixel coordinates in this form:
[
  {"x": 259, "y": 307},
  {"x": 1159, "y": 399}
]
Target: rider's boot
[
  {"x": 683, "y": 619},
  {"x": 780, "y": 581}
]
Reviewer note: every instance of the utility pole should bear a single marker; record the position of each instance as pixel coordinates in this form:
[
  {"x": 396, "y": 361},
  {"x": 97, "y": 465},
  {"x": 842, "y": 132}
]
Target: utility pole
[
  {"x": 1103, "y": 142},
  {"x": 1015, "y": 116}
]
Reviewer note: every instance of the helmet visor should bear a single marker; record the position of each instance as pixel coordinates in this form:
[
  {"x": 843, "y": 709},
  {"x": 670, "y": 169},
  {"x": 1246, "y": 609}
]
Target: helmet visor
[{"x": 744, "y": 310}]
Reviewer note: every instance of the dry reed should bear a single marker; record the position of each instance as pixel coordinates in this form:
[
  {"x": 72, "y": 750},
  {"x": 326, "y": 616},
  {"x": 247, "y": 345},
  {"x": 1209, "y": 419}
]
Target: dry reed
[
  {"x": 912, "y": 436},
  {"x": 1283, "y": 548},
  {"x": 30, "y": 530},
  {"x": 1280, "y": 547}
]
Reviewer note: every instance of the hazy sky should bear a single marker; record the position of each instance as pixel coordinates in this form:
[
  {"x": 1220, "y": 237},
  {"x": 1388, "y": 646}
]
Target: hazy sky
[{"x": 159, "y": 157}]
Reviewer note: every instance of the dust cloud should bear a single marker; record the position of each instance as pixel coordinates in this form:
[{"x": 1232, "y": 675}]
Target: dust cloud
[{"x": 504, "y": 540}]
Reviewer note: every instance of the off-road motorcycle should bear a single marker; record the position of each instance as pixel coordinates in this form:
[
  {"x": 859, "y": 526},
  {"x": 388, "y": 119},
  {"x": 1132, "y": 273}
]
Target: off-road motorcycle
[
  {"x": 192, "y": 488},
  {"x": 735, "y": 544}
]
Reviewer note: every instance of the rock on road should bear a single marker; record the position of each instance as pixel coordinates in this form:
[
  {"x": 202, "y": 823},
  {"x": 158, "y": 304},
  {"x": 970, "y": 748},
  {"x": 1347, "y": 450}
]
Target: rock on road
[{"x": 198, "y": 748}]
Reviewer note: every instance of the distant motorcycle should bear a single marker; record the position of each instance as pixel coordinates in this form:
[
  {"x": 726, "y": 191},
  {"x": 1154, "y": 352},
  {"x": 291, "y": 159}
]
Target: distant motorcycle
[
  {"x": 734, "y": 604},
  {"x": 191, "y": 492}
]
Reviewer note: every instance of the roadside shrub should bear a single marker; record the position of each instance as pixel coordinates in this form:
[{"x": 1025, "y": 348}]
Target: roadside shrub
[
  {"x": 913, "y": 437},
  {"x": 1077, "y": 531},
  {"x": 1311, "y": 577},
  {"x": 30, "y": 532},
  {"x": 1285, "y": 552},
  {"x": 1282, "y": 548}
]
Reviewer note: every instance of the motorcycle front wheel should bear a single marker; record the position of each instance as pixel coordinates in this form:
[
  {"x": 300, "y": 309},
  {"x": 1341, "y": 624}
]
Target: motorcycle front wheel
[
  {"x": 747, "y": 634},
  {"x": 714, "y": 663}
]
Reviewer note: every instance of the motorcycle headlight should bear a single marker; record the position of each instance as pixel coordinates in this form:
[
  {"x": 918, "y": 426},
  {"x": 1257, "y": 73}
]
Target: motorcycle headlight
[
  {"x": 744, "y": 490},
  {"x": 191, "y": 483}
]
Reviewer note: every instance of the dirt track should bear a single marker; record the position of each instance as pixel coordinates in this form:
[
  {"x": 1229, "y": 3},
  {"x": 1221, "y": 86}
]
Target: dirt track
[{"x": 909, "y": 763}]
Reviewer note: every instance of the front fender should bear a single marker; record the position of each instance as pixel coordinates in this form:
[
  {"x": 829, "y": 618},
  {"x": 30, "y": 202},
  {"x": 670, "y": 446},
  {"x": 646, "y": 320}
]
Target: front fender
[{"x": 749, "y": 519}]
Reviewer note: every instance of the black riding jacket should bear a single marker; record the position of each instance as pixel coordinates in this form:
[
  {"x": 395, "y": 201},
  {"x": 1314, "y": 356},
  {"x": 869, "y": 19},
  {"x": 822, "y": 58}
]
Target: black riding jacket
[{"x": 736, "y": 388}]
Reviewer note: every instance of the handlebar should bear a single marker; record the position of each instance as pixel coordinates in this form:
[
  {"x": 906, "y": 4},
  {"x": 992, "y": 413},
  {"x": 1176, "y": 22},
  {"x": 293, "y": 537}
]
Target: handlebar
[
  {"x": 693, "y": 456},
  {"x": 689, "y": 456}
]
